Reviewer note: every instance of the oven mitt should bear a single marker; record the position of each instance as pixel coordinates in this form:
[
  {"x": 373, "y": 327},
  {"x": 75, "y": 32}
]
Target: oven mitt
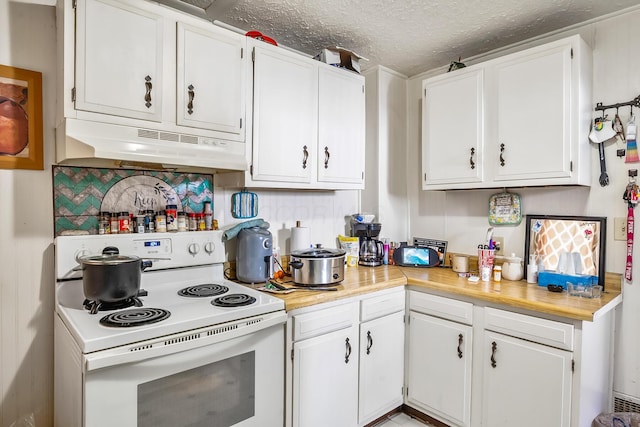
[
  {"x": 601, "y": 131},
  {"x": 233, "y": 231}
]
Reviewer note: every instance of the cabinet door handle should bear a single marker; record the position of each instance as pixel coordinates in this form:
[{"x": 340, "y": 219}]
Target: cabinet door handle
[
  {"x": 494, "y": 347},
  {"x": 348, "y": 350},
  {"x": 459, "y": 346},
  {"x": 192, "y": 94},
  {"x": 501, "y": 153},
  {"x": 369, "y": 342},
  {"x": 148, "y": 86},
  {"x": 471, "y": 162},
  {"x": 305, "y": 157},
  {"x": 326, "y": 157}
]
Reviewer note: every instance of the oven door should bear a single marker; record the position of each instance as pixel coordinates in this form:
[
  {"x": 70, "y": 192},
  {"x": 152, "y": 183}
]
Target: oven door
[{"x": 231, "y": 382}]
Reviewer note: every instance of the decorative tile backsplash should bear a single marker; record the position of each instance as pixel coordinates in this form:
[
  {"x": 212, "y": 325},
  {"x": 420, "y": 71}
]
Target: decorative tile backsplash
[{"x": 80, "y": 194}]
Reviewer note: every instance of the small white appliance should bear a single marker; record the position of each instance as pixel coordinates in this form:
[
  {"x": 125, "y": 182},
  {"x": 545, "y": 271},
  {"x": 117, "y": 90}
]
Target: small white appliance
[{"x": 192, "y": 349}]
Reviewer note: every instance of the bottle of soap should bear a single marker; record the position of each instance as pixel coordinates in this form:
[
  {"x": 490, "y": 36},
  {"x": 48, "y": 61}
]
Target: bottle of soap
[{"x": 532, "y": 270}]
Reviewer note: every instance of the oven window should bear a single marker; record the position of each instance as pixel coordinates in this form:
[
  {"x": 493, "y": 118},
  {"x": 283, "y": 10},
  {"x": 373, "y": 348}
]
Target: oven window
[{"x": 220, "y": 394}]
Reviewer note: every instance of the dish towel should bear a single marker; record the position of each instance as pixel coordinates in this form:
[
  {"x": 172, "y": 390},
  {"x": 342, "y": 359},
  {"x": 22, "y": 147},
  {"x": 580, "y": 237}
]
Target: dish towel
[
  {"x": 233, "y": 232},
  {"x": 632, "y": 145}
]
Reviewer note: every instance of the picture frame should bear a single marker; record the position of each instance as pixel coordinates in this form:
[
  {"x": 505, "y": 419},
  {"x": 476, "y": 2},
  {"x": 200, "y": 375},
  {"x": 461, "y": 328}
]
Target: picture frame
[
  {"x": 21, "y": 137},
  {"x": 546, "y": 236}
]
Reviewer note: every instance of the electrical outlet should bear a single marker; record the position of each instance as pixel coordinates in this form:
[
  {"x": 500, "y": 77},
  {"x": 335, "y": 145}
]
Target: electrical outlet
[
  {"x": 619, "y": 229},
  {"x": 499, "y": 242}
]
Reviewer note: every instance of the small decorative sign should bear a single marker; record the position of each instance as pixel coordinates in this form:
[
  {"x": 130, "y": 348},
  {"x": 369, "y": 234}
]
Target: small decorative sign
[{"x": 505, "y": 209}]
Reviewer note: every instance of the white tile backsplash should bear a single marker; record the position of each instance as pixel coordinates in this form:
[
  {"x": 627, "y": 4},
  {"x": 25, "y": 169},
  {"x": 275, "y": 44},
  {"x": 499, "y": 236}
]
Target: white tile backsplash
[{"x": 324, "y": 212}]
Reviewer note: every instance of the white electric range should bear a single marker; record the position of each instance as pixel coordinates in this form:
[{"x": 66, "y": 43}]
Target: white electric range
[{"x": 180, "y": 354}]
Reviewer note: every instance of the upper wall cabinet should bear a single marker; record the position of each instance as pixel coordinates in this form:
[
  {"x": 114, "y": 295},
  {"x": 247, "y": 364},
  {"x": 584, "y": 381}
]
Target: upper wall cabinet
[
  {"x": 136, "y": 63},
  {"x": 519, "y": 120},
  {"x": 308, "y": 124}
]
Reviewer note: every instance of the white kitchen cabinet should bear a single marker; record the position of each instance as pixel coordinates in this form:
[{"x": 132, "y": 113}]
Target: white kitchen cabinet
[
  {"x": 308, "y": 121},
  {"x": 141, "y": 72},
  {"x": 381, "y": 378},
  {"x": 347, "y": 361},
  {"x": 210, "y": 78},
  {"x": 341, "y": 124},
  {"x": 325, "y": 380},
  {"x": 525, "y": 383},
  {"x": 119, "y": 59},
  {"x": 524, "y": 114},
  {"x": 439, "y": 367},
  {"x": 452, "y": 128},
  {"x": 285, "y": 110}
]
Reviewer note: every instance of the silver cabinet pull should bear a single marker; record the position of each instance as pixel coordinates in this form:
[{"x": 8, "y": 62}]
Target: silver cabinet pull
[
  {"x": 148, "y": 86},
  {"x": 326, "y": 157},
  {"x": 305, "y": 157},
  {"x": 348, "y": 348},
  {"x": 192, "y": 95}
]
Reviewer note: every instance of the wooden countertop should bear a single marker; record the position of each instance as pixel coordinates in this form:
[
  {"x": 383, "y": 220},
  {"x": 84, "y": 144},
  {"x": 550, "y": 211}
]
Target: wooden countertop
[{"x": 363, "y": 280}]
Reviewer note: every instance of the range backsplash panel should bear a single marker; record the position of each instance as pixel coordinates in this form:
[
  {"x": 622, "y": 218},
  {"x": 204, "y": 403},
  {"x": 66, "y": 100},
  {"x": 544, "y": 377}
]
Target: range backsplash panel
[{"x": 79, "y": 194}]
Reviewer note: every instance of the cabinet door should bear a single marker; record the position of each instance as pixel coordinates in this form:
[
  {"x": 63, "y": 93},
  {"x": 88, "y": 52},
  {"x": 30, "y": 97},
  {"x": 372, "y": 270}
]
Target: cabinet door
[
  {"x": 341, "y": 124},
  {"x": 211, "y": 80},
  {"x": 439, "y": 375},
  {"x": 118, "y": 60},
  {"x": 285, "y": 111},
  {"x": 325, "y": 380},
  {"x": 452, "y": 128},
  {"x": 534, "y": 115},
  {"x": 381, "y": 366},
  {"x": 525, "y": 383}
]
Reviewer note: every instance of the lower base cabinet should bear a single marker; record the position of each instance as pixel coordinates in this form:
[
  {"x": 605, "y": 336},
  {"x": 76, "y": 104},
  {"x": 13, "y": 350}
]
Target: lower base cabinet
[
  {"x": 525, "y": 383},
  {"x": 347, "y": 361}
]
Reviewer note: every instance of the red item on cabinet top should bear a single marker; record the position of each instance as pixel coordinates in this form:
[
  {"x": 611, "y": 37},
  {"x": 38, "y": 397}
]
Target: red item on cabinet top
[{"x": 258, "y": 35}]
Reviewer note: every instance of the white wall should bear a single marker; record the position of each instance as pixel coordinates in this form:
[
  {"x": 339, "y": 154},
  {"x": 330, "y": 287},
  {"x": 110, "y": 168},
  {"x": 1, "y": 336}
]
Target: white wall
[
  {"x": 27, "y": 40},
  {"x": 461, "y": 216}
]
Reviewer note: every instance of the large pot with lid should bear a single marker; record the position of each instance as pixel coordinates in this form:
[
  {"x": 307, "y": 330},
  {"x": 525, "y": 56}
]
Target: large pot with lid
[
  {"x": 111, "y": 277},
  {"x": 317, "y": 266}
]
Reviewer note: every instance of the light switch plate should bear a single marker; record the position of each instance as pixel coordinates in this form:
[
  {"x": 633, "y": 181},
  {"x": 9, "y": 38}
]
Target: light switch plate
[{"x": 619, "y": 229}]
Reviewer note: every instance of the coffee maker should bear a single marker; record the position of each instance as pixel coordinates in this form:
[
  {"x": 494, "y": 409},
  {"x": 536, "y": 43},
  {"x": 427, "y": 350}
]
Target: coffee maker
[{"x": 371, "y": 249}]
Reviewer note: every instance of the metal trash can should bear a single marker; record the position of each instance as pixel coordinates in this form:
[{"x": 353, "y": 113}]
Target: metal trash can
[{"x": 617, "y": 419}]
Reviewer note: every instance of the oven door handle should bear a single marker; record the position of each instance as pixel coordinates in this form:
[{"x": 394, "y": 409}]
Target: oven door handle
[{"x": 183, "y": 341}]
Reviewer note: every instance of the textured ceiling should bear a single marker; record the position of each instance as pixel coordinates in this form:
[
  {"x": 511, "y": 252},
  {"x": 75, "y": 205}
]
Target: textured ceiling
[{"x": 409, "y": 36}]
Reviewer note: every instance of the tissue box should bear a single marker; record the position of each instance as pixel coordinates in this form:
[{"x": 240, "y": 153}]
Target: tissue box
[
  {"x": 340, "y": 57},
  {"x": 548, "y": 277}
]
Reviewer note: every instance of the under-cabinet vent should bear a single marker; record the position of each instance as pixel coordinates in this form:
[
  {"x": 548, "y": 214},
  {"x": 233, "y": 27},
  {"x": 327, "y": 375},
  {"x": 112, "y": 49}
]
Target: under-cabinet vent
[
  {"x": 144, "y": 133},
  {"x": 222, "y": 330},
  {"x": 166, "y": 136},
  {"x": 189, "y": 139},
  {"x": 624, "y": 403},
  {"x": 182, "y": 339}
]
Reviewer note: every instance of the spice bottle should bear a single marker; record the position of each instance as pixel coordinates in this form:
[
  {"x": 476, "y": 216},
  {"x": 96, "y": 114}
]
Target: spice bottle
[
  {"x": 193, "y": 223},
  {"x": 115, "y": 223},
  {"x": 172, "y": 217},
  {"x": 182, "y": 221},
  {"x": 104, "y": 223},
  {"x": 201, "y": 225},
  {"x": 161, "y": 222},
  {"x": 124, "y": 222},
  {"x": 149, "y": 221},
  {"x": 208, "y": 216}
]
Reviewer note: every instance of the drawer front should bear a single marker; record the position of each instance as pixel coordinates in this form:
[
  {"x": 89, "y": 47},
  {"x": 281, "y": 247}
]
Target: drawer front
[
  {"x": 445, "y": 308},
  {"x": 322, "y": 321},
  {"x": 543, "y": 331},
  {"x": 372, "y": 308}
]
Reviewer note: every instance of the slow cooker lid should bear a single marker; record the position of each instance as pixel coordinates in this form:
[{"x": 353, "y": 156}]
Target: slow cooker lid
[
  {"x": 318, "y": 253},
  {"x": 108, "y": 259}
]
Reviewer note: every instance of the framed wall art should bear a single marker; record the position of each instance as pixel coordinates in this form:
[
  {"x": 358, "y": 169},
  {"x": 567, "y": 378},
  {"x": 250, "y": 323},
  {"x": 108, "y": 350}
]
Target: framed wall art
[{"x": 20, "y": 119}]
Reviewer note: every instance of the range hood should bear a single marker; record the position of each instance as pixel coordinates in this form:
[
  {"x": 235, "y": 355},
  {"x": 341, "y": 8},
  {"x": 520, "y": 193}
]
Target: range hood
[{"x": 88, "y": 143}]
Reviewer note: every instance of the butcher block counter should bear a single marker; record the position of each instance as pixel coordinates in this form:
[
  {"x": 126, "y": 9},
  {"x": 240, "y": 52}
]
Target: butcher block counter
[{"x": 363, "y": 280}]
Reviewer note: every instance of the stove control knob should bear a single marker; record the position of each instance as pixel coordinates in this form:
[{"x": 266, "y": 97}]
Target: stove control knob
[
  {"x": 209, "y": 247},
  {"x": 194, "y": 248}
]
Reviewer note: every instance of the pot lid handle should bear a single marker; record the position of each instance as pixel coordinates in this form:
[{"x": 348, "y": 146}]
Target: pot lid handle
[{"x": 110, "y": 250}]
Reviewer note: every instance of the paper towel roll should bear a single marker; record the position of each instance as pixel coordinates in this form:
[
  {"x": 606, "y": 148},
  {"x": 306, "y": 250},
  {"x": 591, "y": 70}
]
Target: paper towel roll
[{"x": 300, "y": 238}]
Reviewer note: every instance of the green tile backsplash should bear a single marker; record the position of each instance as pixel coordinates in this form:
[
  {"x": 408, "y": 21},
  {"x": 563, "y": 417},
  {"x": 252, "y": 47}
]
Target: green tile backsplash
[{"x": 80, "y": 193}]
